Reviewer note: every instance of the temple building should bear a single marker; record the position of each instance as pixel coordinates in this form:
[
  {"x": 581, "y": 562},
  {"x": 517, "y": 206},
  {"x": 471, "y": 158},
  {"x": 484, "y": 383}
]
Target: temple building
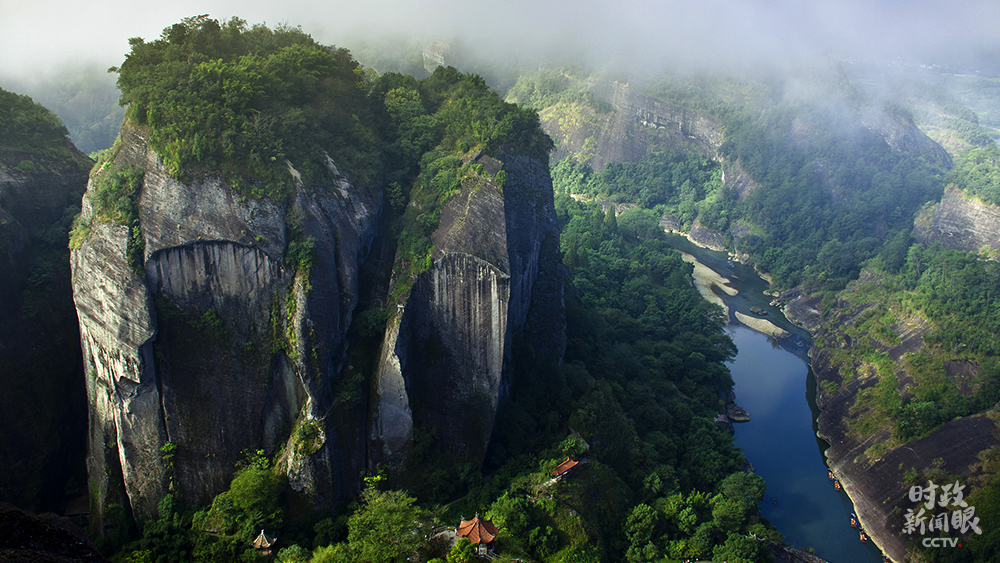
[
  {"x": 564, "y": 467},
  {"x": 481, "y": 532}
]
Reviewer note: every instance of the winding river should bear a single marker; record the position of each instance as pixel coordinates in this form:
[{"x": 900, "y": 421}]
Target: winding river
[{"x": 775, "y": 385}]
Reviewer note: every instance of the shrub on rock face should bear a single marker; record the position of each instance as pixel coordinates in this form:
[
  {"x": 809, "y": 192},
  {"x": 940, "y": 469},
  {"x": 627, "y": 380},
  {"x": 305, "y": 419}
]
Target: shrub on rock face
[
  {"x": 462, "y": 552},
  {"x": 252, "y": 503}
]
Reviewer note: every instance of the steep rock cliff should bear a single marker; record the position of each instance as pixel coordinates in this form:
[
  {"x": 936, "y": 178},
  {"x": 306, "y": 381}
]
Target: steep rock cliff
[
  {"x": 902, "y": 134},
  {"x": 635, "y": 126},
  {"x": 874, "y": 475},
  {"x": 960, "y": 222},
  {"x": 213, "y": 342},
  {"x": 42, "y": 408},
  {"x": 446, "y": 356}
]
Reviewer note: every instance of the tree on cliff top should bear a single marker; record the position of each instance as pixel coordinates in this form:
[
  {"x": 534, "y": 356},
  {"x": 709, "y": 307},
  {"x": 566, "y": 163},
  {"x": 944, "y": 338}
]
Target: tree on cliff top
[
  {"x": 28, "y": 126},
  {"x": 244, "y": 100}
]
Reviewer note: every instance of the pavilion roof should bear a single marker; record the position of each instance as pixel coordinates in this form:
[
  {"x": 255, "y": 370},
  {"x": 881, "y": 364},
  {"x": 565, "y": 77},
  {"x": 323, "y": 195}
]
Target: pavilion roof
[
  {"x": 263, "y": 542},
  {"x": 564, "y": 467},
  {"x": 478, "y": 530}
]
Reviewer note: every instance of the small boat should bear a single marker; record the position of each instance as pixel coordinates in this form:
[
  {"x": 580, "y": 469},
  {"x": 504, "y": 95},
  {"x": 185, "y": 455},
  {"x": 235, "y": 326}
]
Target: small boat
[
  {"x": 854, "y": 520},
  {"x": 829, "y": 473},
  {"x": 836, "y": 484},
  {"x": 862, "y": 536},
  {"x": 758, "y": 310}
]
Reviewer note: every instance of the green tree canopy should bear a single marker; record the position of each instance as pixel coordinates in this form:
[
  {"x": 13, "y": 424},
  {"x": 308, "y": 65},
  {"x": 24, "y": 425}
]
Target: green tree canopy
[
  {"x": 28, "y": 126},
  {"x": 387, "y": 526},
  {"x": 248, "y": 101}
]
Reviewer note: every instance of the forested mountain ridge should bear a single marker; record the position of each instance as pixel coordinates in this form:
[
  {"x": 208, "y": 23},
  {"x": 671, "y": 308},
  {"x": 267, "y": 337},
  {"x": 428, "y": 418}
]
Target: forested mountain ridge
[{"x": 907, "y": 364}]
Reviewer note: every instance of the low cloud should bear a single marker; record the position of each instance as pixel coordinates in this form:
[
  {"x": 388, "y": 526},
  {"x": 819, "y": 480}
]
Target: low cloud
[{"x": 40, "y": 36}]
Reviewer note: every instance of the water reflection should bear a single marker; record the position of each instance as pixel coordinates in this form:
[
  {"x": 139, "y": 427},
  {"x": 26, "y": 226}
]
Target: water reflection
[
  {"x": 773, "y": 382},
  {"x": 780, "y": 442}
]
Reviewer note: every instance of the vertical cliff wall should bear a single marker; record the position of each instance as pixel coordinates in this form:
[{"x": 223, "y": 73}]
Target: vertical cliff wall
[
  {"x": 208, "y": 339},
  {"x": 960, "y": 222},
  {"x": 446, "y": 356},
  {"x": 42, "y": 408}
]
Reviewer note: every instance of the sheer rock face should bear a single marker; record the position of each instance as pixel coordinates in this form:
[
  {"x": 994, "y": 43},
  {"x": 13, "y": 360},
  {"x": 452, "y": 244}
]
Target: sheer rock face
[
  {"x": 960, "y": 223},
  {"x": 704, "y": 236},
  {"x": 42, "y": 409},
  {"x": 902, "y": 134},
  {"x": 879, "y": 487},
  {"x": 637, "y": 125},
  {"x": 445, "y": 362},
  {"x": 214, "y": 343}
]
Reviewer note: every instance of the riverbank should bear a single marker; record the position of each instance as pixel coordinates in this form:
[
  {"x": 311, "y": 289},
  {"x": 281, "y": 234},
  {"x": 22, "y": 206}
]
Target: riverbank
[
  {"x": 762, "y": 325},
  {"x": 706, "y": 278},
  {"x": 805, "y": 506},
  {"x": 874, "y": 466}
]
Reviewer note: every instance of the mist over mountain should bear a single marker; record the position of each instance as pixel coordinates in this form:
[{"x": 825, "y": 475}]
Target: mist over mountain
[{"x": 641, "y": 35}]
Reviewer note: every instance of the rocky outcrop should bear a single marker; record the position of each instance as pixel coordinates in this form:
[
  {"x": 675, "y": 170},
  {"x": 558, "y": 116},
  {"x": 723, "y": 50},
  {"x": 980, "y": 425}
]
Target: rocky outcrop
[
  {"x": 635, "y": 126},
  {"x": 735, "y": 177},
  {"x": 960, "y": 222},
  {"x": 671, "y": 224},
  {"x": 802, "y": 310},
  {"x": 706, "y": 237},
  {"x": 901, "y": 133},
  {"x": 872, "y": 474},
  {"x": 214, "y": 343},
  {"x": 42, "y": 408},
  {"x": 446, "y": 356}
]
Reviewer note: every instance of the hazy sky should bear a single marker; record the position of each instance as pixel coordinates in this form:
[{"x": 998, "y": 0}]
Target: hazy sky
[{"x": 40, "y": 34}]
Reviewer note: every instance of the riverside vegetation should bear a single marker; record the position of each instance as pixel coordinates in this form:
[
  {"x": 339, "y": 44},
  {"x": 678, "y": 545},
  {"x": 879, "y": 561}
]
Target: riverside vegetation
[{"x": 832, "y": 213}]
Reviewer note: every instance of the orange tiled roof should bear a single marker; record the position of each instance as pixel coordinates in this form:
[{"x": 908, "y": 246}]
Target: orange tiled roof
[
  {"x": 564, "y": 467},
  {"x": 478, "y": 531}
]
